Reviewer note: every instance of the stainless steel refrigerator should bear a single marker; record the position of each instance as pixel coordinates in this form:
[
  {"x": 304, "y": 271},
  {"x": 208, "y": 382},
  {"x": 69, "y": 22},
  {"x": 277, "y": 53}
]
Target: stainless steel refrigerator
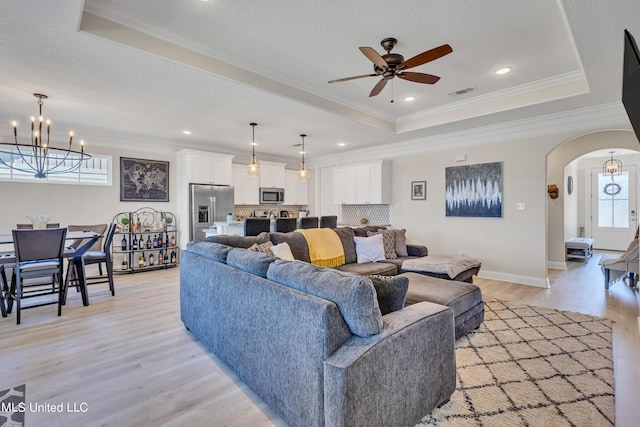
[{"x": 208, "y": 204}]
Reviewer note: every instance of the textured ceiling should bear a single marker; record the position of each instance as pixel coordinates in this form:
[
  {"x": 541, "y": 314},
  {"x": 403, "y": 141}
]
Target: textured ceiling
[{"x": 124, "y": 73}]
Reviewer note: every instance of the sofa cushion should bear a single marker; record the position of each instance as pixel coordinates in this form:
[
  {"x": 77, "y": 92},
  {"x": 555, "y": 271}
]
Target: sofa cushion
[
  {"x": 391, "y": 292},
  {"x": 354, "y": 295},
  {"x": 369, "y": 249},
  {"x": 252, "y": 262},
  {"x": 282, "y": 251},
  {"x": 346, "y": 236},
  {"x": 239, "y": 241},
  {"x": 381, "y": 268},
  {"x": 388, "y": 242},
  {"x": 215, "y": 251},
  {"x": 297, "y": 244}
]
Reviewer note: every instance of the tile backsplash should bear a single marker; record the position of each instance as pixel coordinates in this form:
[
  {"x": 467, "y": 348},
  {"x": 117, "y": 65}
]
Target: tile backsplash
[{"x": 375, "y": 214}]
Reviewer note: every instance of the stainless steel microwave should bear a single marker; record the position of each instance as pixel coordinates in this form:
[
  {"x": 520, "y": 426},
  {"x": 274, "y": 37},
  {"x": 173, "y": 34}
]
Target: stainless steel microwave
[{"x": 269, "y": 195}]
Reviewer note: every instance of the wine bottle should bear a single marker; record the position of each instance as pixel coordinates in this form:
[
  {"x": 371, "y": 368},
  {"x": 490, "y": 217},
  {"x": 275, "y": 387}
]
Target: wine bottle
[
  {"x": 124, "y": 243},
  {"x": 173, "y": 240},
  {"x": 134, "y": 243},
  {"x": 166, "y": 257},
  {"x": 173, "y": 257},
  {"x": 141, "y": 261},
  {"x": 160, "y": 240},
  {"x": 151, "y": 260},
  {"x": 125, "y": 265},
  {"x": 160, "y": 257},
  {"x": 155, "y": 240}
]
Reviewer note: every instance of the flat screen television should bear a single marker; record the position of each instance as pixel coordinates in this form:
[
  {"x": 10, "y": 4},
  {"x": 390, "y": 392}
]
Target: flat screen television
[{"x": 631, "y": 81}]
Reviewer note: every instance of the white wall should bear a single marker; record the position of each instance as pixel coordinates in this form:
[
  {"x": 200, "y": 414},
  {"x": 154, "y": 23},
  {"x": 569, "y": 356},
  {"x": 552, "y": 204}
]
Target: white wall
[{"x": 78, "y": 204}]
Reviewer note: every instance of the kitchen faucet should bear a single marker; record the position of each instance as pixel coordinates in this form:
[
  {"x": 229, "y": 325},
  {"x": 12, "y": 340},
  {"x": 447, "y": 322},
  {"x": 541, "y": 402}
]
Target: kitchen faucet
[{"x": 272, "y": 215}]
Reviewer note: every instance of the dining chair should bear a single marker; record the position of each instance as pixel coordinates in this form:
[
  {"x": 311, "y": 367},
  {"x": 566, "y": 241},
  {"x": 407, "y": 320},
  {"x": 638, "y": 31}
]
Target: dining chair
[
  {"x": 39, "y": 255},
  {"x": 329, "y": 221},
  {"x": 30, "y": 226},
  {"x": 285, "y": 225},
  {"x": 97, "y": 246},
  {"x": 309, "y": 222},
  {"x": 100, "y": 256},
  {"x": 255, "y": 226}
]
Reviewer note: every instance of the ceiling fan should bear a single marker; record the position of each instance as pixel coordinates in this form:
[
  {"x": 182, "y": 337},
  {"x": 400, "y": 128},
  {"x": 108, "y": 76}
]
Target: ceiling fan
[{"x": 393, "y": 65}]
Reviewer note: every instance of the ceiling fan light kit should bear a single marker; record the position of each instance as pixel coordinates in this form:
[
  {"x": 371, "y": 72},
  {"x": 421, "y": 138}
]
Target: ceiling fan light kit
[{"x": 393, "y": 65}]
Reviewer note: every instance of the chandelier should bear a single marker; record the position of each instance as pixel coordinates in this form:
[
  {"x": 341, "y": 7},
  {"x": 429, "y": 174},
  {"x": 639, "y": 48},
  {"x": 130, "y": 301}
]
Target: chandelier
[
  {"x": 253, "y": 168},
  {"x": 612, "y": 166},
  {"x": 38, "y": 156},
  {"x": 303, "y": 173}
]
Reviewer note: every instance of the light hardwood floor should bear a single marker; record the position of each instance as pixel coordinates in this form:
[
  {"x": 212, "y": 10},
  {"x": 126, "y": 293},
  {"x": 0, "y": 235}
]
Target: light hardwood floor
[{"x": 129, "y": 359}]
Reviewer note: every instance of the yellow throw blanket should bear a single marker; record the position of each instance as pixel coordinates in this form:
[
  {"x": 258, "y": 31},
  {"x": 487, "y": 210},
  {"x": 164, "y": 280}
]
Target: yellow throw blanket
[{"x": 325, "y": 247}]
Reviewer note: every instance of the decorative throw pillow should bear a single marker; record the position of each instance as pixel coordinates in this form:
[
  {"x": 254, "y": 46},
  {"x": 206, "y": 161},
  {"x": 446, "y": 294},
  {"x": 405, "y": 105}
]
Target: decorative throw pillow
[
  {"x": 262, "y": 247},
  {"x": 369, "y": 249},
  {"x": 401, "y": 242},
  {"x": 282, "y": 251},
  {"x": 391, "y": 292},
  {"x": 388, "y": 242}
]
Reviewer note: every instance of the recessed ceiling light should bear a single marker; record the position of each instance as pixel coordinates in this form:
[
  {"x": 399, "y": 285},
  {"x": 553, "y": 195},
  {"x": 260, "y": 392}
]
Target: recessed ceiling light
[
  {"x": 341, "y": 144},
  {"x": 410, "y": 98},
  {"x": 503, "y": 70},
  {"x": 187, "y": 132}
]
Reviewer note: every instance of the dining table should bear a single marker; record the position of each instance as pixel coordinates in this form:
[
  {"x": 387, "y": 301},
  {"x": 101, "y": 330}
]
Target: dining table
[{"x": 81, "y": 241}]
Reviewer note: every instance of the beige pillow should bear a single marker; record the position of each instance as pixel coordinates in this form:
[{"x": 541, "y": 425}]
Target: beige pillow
[
  {"x": 262, "y": 247},
  {"x": 388, "y": 242},
  {"x": 282, "y": 251},
  {"x": 401, "y": 242}
]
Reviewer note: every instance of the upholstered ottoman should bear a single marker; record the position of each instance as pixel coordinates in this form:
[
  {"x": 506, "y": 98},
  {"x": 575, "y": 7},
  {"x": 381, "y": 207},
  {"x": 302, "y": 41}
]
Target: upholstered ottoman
[
  {"x": 451, "y": 267},
  {"x": 578, "y": 248},
  {"x": 463, "y": 298}
]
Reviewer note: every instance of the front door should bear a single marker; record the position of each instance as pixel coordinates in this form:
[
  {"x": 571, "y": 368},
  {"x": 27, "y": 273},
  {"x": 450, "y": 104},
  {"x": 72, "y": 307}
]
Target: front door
[{"x": 613, "y": 208}]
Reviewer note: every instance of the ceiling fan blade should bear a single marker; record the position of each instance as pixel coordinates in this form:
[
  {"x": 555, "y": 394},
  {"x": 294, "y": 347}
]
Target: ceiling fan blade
[
  {"x": 374, "y": 57},
  {"x": 378, "y": 87},
  {"x": 418, "y": 77},
  {"x": 425, "y": 57},
  {"x": 352, "y": 78}
]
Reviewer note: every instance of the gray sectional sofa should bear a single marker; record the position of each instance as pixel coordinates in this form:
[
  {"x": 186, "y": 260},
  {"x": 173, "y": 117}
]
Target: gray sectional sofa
[{"x": 312, "y": 343}]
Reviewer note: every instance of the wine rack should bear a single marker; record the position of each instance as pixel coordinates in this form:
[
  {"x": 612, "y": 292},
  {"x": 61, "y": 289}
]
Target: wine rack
[{"x": 145, "y": 239}]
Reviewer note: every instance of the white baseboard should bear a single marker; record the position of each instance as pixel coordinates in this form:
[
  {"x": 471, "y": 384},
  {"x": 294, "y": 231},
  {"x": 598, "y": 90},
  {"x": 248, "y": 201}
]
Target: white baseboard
[
  {"x": 515, "y": 278},
  {"x": 557, "y": 265}
]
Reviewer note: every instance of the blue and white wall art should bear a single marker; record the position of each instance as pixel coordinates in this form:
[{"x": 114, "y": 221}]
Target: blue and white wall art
[{"x": 474, "y": 190}]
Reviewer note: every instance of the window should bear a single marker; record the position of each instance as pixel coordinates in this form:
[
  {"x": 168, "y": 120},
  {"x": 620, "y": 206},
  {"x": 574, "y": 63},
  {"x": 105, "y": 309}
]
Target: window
[
  {"x": 93, "y": 171},
  {"x": 613, "y": 200}
]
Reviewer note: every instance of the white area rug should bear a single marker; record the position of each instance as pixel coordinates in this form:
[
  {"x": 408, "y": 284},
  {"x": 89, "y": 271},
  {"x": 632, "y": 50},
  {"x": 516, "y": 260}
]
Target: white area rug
[{"x": 532, "y": 366}]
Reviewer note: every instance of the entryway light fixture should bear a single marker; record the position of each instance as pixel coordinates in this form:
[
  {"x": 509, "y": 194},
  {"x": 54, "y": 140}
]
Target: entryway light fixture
[
  {"x": 612, "y": 166},
  {"x": 39, "y": 157},
  {"x": 303, "y": 173},
  {"x": 253, "y": 168}
]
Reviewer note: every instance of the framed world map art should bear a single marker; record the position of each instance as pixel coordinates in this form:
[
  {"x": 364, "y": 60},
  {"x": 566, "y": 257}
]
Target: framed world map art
[{"x": 144, "y": 180}]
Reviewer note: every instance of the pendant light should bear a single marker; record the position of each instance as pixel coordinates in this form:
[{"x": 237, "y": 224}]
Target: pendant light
[
  {"x": 612, "y": 166},
  {"x": 303, "y": 173},
  {"x": 253, "y": 168}
]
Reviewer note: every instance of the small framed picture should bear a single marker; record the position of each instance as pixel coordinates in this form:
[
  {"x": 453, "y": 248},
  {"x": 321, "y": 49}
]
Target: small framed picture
[{"x": 418, "y": 190}]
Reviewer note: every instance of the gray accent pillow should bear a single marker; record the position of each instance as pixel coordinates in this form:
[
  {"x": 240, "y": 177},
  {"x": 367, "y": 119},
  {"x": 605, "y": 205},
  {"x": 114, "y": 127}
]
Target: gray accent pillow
[
  {"x": 239, "y": 241},
  {"x": 215, "y": 251},
  {"x": 346, "y": 236},
  {"x": 362, "y": 231},
  {"x": 354, "y": 295},
  {"x": 265, "y": 248},
  {"x": 388, "y": 242},
  {"x": 297, "y": 243},
  {"x": 391, "y": 291},
  {"x": 252, "y": 262},
  {"x": 401, "y": 242}
]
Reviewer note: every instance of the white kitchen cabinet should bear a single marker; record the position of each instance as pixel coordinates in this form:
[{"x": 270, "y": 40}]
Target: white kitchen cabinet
[
  {"x": 271, "y": 174},
  {"x": 202, "y": 167},
  {"x": 246, "y": 188},
  {"x": 362, "y": 183},
  {"x": 295, "y": 191}
]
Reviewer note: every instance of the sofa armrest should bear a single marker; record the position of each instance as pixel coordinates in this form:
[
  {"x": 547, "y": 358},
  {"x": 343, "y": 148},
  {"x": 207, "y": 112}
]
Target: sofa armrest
[
  {"x": 417, "y": 250},
  {"x": 396, "y": 377}
]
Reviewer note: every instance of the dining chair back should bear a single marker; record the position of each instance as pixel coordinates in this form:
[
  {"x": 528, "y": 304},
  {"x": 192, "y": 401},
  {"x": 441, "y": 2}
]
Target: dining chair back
[
  {"x": 285, "y": 225},
  {"x": 97, "y": 228},
  {"x": 309, "y": 222},
  {"x": 329, "y": 221},
  {"x": 39, "y": 255},
  {"x": 101, "y": 256},
  {"x": 255, "y": 226}
]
